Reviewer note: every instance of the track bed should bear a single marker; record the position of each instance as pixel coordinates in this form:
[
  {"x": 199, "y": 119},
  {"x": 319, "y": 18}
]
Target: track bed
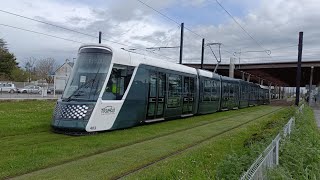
[{"x": 117, "y": 154}]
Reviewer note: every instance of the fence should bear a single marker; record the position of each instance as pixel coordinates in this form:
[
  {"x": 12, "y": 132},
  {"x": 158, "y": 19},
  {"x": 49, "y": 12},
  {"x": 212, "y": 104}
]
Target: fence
[
  {"x": 45, "y": 91},
  {"x": 270, "y": 156}
]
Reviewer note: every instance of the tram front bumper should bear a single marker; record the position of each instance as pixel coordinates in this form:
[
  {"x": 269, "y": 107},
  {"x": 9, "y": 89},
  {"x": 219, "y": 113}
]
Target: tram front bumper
[{"x": 72, "y": 115}]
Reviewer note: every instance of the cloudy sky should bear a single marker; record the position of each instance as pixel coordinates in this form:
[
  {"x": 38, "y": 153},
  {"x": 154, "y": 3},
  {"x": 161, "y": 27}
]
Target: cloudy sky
[{"x": 274, "y": 24}]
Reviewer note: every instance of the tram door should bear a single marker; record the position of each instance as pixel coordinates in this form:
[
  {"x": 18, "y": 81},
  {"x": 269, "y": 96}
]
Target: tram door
[
  {"x": 156, "y": 99},
  {"x": 188, "y": 95}
]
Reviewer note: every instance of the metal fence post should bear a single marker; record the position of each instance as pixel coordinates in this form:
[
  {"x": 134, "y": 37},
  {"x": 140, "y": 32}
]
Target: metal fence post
[{"x": 277, "y": 152}]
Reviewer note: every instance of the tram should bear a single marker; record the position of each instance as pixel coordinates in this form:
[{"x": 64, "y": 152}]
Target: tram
[{"x": 111, "y": 89}]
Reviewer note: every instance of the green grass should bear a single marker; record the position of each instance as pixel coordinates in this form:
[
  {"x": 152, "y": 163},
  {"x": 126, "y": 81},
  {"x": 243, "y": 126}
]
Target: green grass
[
  {"x": 300, "y": 154},
  {"x": 28, "y": 145},
  {"x": 224, "y": 157},
  {"x": 23, "y": 117}
]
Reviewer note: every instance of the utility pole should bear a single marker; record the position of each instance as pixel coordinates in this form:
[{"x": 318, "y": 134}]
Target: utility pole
[
  {"x": 202, "y": 53},
  {"x": 181, "y": 43},
  {"x": 239, "y": 56},
  {"x": 100, "y": 35},
  {"x": 298, "y": 78}
]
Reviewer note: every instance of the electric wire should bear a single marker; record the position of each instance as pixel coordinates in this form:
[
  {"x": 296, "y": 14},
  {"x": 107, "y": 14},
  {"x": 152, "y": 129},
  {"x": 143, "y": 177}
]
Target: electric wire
[
  {"x": 174, "y": 21},
  {"x": 44, "y": 34},
  {"x": 259, "y": 44},
  {"x": 61, "y": 27},
  {"x": 279, "y": 48},
  {"x": 167, "y": 17},
  {"x": 167, "y": 38},
  {"x": 66, "y": 39}
]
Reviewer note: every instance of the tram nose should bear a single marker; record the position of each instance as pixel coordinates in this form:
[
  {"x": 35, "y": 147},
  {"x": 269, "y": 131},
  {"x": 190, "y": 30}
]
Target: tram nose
[{"x": 69, "y": 115}]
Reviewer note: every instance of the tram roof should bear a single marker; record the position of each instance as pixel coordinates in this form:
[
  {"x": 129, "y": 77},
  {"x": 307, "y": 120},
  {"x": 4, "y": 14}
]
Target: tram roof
[{"x": 121, "y": 56}]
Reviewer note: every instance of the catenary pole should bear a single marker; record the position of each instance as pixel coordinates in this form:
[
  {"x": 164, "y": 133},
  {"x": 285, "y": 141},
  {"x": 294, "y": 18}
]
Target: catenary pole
[
  {"x": 181, "y": 43},
  {"x": 202, "y": 53},
  {"x": 100, "y": 36},
  {"x": 298, "y": 77}
]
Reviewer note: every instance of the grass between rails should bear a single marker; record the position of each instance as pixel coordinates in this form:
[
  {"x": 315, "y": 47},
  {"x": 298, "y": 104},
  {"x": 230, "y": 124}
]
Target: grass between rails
[
  {"x": 117, "y": 162},
  {"x": 24, "y": 153},
  {"x": 224, "y": 157},
  {"x": 300, "y": 154}
]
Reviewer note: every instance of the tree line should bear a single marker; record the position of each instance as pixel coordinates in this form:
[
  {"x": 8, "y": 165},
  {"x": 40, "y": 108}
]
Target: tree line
[{"x": 30, "y": 69}]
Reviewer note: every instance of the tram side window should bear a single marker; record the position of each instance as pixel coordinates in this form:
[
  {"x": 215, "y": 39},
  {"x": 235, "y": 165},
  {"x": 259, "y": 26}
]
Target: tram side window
[
  {"x": 207, "y": 90},
  {"x": 225, "y": 90},
  {"x": 214, "y": 91},
  {"x": 246, "y": 92},
  {"x": 231, "y": 94},
  {"x": 118, "y": 82},
  {"x": 236, "y": 90},
  {"x": 174, "y": 94}
]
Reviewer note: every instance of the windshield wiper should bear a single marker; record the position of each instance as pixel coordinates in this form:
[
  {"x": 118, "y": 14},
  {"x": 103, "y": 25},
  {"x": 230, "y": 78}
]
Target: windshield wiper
[
  {"x": 77, "y": 90},
  {"x": 83, "y": 85}
]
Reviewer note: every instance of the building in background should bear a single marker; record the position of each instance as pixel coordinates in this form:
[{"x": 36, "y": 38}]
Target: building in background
[{"x": 61, "y": 76}]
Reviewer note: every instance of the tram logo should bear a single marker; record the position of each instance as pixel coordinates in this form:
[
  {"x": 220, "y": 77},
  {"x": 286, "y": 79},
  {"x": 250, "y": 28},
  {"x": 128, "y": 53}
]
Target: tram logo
[{"x": 108, "y": 110}]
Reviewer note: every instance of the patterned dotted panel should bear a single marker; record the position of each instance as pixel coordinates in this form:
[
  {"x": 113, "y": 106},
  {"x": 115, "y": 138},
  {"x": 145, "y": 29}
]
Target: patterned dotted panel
[{"x": 72, "y": 111}]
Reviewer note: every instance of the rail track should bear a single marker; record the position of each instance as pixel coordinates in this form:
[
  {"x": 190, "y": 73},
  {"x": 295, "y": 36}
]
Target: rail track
[
  {"x": 190, "y": 146},
  {"x": 153, "y": 138}
]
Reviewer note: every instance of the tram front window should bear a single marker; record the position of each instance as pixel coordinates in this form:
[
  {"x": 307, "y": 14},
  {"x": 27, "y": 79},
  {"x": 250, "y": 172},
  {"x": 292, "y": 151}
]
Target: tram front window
[{"x": 88, "y": 75}]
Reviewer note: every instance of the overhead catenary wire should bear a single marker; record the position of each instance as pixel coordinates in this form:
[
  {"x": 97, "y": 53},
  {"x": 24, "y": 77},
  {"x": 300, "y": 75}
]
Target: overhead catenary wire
[
  {"x": 50, "y": 24},
  {"x": 93, "y": 36},
  {"x": 284, "y": 47},
  {"x": 44, "y": 34},
  {"x": 230, "y": 15},
  {"x": 67, "y": 29},
  {"x": 167, "y": 17},
  {"x": 61, "y": 27},
  {"x": 167, "y": 38},
  {"x": 66, "y": 39}
]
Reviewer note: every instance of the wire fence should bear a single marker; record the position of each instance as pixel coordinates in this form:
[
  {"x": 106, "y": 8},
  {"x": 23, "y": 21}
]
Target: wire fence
[{"x": 270, "y": 156}]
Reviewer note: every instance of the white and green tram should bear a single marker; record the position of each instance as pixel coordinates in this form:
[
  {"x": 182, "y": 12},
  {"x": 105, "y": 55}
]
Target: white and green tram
[{"x": 112, "y": 89}]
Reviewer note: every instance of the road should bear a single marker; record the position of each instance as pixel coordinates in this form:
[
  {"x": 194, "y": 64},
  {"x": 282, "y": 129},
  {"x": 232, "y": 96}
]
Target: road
[{"x": 19, "y": 96}]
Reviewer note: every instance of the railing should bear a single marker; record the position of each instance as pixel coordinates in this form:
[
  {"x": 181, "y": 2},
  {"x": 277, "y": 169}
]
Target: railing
[
  {"x": 268, "y": 159},
  {"x": 270, "y": 156},
  {"x": 288, "y": 127}
]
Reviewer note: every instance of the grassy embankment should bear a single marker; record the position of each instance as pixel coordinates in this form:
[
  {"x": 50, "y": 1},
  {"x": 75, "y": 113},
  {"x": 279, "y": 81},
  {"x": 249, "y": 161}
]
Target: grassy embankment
[
  {"x": 300, "y": 154},
  {"x": 28, "y": 145}
]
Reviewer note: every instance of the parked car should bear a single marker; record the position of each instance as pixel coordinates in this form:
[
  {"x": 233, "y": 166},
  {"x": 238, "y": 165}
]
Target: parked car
[
  {"x": 8, "y": 87},
  {"x": 30, "y": 89},
  {"x": 50, "y": 90}
]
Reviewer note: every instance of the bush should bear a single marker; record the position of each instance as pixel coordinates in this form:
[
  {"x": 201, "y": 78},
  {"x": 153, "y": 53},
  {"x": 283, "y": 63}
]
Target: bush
[
  {"x": 235, "y": 164},
  {"x": 300, "y": 155}
]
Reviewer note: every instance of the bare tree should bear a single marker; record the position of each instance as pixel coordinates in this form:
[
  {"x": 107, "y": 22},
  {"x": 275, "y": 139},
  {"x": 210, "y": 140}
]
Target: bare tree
[
  {"x": 29, "y": 65},
  {"x": 45, "y": 68}
]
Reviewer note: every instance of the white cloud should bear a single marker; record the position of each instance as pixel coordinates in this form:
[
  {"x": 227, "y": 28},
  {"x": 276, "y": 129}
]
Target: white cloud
[{"x": 273, "y": 23}]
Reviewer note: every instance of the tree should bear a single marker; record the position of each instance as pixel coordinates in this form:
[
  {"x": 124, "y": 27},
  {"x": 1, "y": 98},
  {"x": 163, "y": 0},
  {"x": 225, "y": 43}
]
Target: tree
[
  {"x": 7, "y": 61},
  {"x": 46, "y": 67},
  {"x": 29, "y": 65},
  {"x": 3, "y": 45},
  {"x": 7, "y": 65},
  {"x": 19, "y": 75}
]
